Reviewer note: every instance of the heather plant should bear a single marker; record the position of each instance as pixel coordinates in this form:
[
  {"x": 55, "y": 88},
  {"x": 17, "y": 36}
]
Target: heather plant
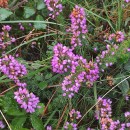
[{"x": 64, "y": 65}]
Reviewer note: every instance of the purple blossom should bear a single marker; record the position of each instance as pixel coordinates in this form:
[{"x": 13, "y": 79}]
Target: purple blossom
[
  {"x": 127, "y": 1},
  {"x": 13, "y": 69},
  {"x": 75, "y": 114},
  {"x": 6, "y": 28},
  {"x": 78, "y": 25},
  {"x": 127, "y": 114},
  {"x": 63, "y": 59},
  {"x": 54, "y": 6},
  {"x": 89, "y": 73},
  {"x": 71, "y": 126},
  {"x": 111, "y": 37},
  {"x": 118, "y": 36},
  {"x": 26, "y": 100},
  {"x": 128, "y": 49},
  {"x": 5, "y": 38},
  {"x": 2, "y": 125},
  {"x": 48, "y": 127}
]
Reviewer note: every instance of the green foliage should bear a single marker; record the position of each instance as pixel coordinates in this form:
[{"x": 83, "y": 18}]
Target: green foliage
[
  {"x": 121, "y": 55},
  {"x": 39, "y": 25},
  {"x": 35, "y": 45},
  {"x": 42, "y": 85},
  {"x": 10, "y": 106},
  {"x": 18, "y": 122},
  {"x": 36, "y": 122},
  {"x": 28, "y": 12},
  {"x": 40, "y": 5},
  {"x": 4, "y": 14}
]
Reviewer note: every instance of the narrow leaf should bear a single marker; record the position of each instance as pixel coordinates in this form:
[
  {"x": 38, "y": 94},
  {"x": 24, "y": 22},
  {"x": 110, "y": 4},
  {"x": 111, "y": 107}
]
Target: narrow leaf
[
  {"x": 36, "y": 122},
  {"x": 4, "y": 13}
]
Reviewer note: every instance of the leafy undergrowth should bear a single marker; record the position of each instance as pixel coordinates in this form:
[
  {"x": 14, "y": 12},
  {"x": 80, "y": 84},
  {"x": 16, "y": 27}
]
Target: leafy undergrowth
[{"x": 64, "y": 65}]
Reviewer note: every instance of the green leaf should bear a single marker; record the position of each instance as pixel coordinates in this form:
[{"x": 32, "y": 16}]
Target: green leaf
[
  {"x": 39, "y": 77},
  {"x": 40, "y": 110},
  {"x": 28, "y": 12},
  {"x": 22, "y": 129},
  {"x": 40, "y": 5},
  {"x": 18, "y": 122},
  {"x": 42, "y": 85},
  {"x": 4, "y": 13},
  {"x": 37, "y": 25},
  {"x": 15, "y": 112},
  {"x": 48, "y": 76},
  {"x": 127, "y": 66},
  {"x": 124, "y": 87},
  {"x": 127, "y": 21},
  {"x": 36, "y": 122}
]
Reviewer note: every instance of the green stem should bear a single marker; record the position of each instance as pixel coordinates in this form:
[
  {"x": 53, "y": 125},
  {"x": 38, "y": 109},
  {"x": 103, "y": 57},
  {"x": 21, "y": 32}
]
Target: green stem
[
  {"x": 70, "y": 104},
  {"x": 95, "y": 97}
]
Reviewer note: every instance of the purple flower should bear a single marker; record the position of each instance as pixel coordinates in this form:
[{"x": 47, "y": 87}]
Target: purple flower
[
  {"x": 89, "y": 72},
  {"x": 48, "y": 127},
  {"x": 54, "y": 6},
  {"x": 78, "y": 26},
  {"x": 6, "y": 28},
  {"x": 2, "y": 125},
  {"x": 127, "y": 1},
  {"x": 5, "y": 38},
  {"x": 13, "y": 69},
  {"x": 70, "y": 126},
  {"x": 119, "y": 36},
  {"x": 128, "y": 49},
  {"x": 63, "y": 59},
  {"x": 26, "y": 100},
  {"x": 75, "y": 114},
  {"x": 127, "y": 114}
]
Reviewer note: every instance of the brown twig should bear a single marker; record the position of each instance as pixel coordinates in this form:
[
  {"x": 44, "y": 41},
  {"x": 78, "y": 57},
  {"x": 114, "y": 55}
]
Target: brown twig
[
  {"x": 5, "y": 120},
  {"x": 1, "y": 94},
  {"x": 59, "y": 121},
  {"x": 54, "y": 86},
  {"x": 19, "y": 4},
  {"x": 44, "y": 111}
]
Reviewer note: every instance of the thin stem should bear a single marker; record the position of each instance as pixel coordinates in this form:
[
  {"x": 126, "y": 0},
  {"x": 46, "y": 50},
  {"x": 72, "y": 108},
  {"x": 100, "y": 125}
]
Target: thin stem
[
  {"x": 70, "y": 104},
  {"x": 5, "y": 119},
  {"x": 95, "y": 97},
  {"x": 102, "y": 97}
]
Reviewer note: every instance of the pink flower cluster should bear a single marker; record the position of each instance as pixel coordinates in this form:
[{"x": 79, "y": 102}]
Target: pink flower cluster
[
  {"x": 105, "y": 53},
  {"x": 48, "y": 127},
  {"x": 26, "y": 100},
  {"x": 127, "y": 114},
  {"x": 65, "y": 60},
  {"x": 13, "y": 69},
  {"x": 118, "y": 36},
  {"x": 70, "y": 126},
  {"x": 2, "y": 125},
  {"x": 104, "y": 107},
  {"x": 72, "y": 83},
  {"x": 54, "y": 7},
  {"x": 127, "y": 1},
  {"x": 5, "y": 38},
  {"x": 78, "y": 25},
  {"x": 105, "y": 113},
  {"x": 21, "y": 27},
  {"x": 75, "y": 114}
]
